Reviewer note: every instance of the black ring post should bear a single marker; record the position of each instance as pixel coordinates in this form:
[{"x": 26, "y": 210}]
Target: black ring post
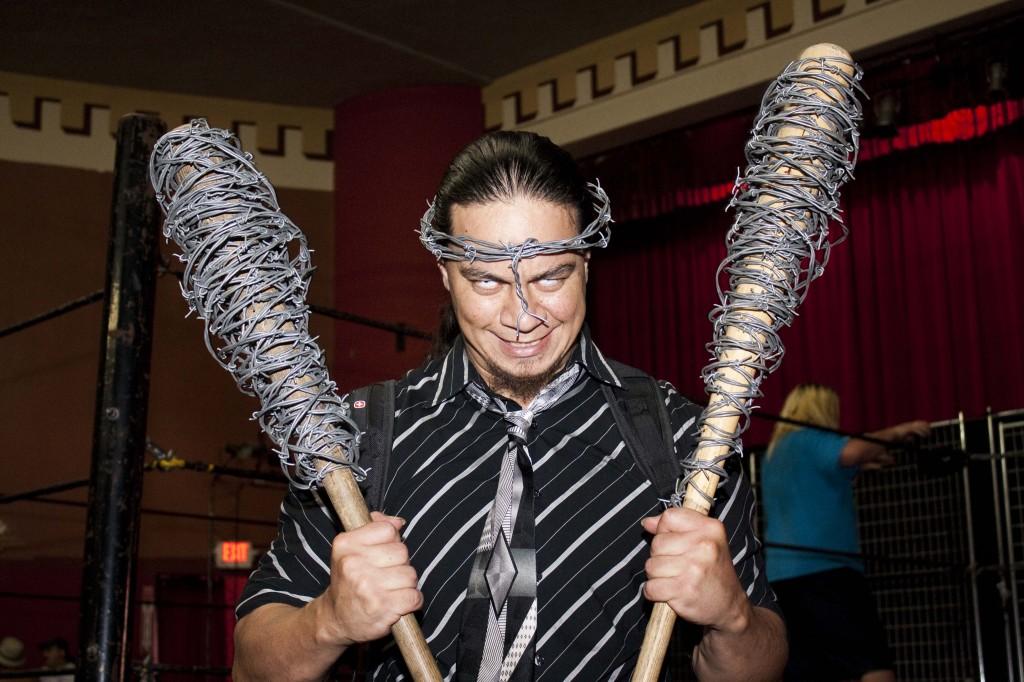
[{"x": 119, "y": 427}]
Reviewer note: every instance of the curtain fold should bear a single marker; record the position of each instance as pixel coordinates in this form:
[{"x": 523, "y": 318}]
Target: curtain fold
[{"x": 918, "y": 315}]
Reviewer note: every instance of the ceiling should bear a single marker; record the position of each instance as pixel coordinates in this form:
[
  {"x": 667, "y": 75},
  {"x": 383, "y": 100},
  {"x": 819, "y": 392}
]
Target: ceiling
[{"x": 300, "y": 52}]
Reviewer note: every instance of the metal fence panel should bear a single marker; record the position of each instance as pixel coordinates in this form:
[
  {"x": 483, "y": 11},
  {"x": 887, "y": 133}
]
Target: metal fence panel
[
  {"x": 925, "y": 601},
  {"x": 915, "y": 533}
]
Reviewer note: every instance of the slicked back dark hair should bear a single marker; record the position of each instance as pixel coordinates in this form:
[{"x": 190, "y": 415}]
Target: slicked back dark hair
[{"x": 503, "y": 165}]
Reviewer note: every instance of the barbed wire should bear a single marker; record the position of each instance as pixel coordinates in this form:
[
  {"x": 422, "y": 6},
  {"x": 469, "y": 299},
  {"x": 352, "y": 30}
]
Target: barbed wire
[
  {"x": 246, "y": 274},
  {"x": 802, "y": 149}
]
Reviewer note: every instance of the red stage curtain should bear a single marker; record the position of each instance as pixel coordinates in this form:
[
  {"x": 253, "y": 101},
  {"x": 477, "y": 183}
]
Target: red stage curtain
[{"x": 919, "y": 314}]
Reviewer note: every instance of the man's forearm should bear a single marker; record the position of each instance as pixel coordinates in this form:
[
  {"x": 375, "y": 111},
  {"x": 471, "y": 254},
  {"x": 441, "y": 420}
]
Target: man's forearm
[
  {"x": 278, "y": 642},
  {"x": 756, "y": 652}
]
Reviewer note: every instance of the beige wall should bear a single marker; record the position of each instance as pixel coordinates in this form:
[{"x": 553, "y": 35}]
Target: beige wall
[
  {"x": 54, "y": 236},
  {"x": 72, "y": 123},
  {"x": 702, "y": 61}
]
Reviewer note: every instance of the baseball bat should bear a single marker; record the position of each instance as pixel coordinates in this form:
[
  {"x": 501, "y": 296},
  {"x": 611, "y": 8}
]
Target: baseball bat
[
  {"x": 197, "y": 175},
  {"x": 737, "y": 368}
]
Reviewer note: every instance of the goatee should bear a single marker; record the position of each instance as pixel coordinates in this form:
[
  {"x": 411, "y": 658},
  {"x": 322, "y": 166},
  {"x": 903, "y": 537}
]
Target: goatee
[{"x": 507, "y": 384}]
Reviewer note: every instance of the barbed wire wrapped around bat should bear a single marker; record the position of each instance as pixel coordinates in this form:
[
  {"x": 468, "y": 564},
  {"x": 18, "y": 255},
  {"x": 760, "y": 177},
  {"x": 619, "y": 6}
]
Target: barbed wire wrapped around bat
[
  {"x": 247, "y": 270},
  {"x": 780, "y": 240}
]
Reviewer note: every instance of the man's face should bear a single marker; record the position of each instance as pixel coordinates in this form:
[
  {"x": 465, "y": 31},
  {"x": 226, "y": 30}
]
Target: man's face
[
  {"x": 485, "y": 301},
  {"x": 54, "y": 656}
]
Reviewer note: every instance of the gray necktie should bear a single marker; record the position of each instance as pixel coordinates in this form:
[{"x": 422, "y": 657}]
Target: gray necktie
[{"x": 500, "y": 615}]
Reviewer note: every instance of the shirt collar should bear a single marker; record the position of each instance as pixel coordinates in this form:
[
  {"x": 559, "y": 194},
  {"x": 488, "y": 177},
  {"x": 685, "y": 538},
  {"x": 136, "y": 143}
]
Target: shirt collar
[
  {"x": 590, "y": 357},
  {"x": 457, "y": 371}
]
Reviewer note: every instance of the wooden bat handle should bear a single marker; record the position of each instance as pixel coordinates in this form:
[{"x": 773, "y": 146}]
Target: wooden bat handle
[
  {"x": 702, "y": 486},
  {"x": 348, "y": 502},
  {"x": 663, "y": 618}
]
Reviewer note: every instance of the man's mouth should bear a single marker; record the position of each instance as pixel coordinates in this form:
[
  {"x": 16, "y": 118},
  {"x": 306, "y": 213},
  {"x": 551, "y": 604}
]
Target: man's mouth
[{"x": 524, "y": 349}]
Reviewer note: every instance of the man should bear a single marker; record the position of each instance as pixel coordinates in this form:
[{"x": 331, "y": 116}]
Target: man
[
  {"x": 55, "y": 657},
  {"x": 527, "y": 525}
]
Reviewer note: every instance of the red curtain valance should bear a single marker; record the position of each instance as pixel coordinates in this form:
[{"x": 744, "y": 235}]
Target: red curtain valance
[{"x": 645, "y": 184}]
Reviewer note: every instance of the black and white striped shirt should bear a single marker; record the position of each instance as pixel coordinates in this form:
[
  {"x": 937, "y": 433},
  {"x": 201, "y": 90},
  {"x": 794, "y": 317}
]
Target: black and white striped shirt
[{"x": 591, "y": 549}]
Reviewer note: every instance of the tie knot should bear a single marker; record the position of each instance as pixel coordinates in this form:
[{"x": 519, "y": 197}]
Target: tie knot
[{"x": 519, "y": 423}]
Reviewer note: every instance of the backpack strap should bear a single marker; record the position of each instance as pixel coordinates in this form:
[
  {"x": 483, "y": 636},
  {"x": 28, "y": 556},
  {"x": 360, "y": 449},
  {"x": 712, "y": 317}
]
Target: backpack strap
[
  {"x": 373, "y": 411},
  {"x": 640, "y": 413}
]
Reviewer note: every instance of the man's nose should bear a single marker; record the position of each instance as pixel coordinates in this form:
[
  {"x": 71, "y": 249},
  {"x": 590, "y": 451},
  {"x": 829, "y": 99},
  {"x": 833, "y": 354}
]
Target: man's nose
[{"x": 514, "y": 317}]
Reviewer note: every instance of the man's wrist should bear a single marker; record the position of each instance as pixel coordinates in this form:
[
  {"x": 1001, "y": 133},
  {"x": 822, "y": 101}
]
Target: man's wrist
[
  {"x": 326, "y": 633},
  {"x": 739, "y": 620}
]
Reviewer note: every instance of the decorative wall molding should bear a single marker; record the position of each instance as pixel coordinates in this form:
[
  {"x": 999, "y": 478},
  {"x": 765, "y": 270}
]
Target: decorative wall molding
[
  {"x": 72, "y": 124},
  {"x": 693, "y": 56}
]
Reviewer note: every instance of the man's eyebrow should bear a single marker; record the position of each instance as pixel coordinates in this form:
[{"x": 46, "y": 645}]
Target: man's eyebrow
[
  {"x": 563, "y": 270},
  {"x": 473, "y": 272}
]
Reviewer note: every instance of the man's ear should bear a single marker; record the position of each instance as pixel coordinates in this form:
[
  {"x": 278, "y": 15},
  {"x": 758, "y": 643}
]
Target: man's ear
[
  {"x": 444, "y": 276},
  {"x": 586, "y": 266}
]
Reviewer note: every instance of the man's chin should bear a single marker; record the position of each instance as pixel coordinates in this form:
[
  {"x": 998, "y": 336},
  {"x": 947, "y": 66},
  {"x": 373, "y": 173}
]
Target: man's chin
[{"x": 523, "y": 378}]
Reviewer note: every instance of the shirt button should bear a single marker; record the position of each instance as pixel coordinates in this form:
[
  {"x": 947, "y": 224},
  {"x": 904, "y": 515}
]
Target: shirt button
[{"x": 538, "y": 660}]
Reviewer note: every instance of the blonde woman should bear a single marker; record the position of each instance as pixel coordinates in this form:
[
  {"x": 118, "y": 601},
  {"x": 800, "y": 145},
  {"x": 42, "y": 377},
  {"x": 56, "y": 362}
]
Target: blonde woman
[{"x": 834, "y": 631}]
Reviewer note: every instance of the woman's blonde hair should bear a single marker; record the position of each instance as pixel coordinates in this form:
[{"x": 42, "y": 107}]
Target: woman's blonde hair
[{"x": 811, "y": 403}]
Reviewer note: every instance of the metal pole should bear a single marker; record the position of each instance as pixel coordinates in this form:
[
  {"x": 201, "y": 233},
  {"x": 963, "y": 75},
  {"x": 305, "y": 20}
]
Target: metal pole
[
  {"x": 122, "y": 394},
  {"x": 1011, "y": 558},
  {"x": 972, "y": 559},
  {"x": 997, "y": 514}
]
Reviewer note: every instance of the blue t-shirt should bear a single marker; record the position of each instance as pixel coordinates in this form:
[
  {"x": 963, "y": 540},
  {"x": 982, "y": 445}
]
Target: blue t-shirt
[{"x": 808, "y": 501}]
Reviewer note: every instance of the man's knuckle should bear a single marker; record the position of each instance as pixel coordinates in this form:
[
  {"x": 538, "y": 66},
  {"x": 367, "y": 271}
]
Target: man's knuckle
[
  {"x": 363, "y": 587},
  {"x": 710, "y": 548},
  {"x": 409, "y": 574},
  {"x": 719, "y": 530},
  {"x": 340, "y": 545},
  {"x": 350, "y": 564},
  {"x": 389, "y": 532}
]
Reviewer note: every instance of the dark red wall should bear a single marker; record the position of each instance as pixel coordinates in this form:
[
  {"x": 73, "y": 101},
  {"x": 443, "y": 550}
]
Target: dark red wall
[
  {"x": 390, "y": 150},
  {"x": 40, "y": 600}
]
